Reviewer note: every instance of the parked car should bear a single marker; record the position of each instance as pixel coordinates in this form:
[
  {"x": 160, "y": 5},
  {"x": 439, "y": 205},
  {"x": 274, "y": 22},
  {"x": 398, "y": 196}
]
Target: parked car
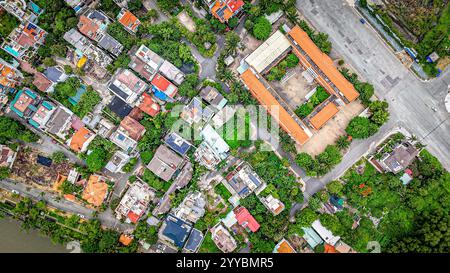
[
  {"x": 15, "y": 192},
  {"x": 362, "y": 20}
]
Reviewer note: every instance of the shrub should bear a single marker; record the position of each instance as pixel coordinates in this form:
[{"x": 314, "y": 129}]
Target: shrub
[
  {"x": 262, "y": 28},
  {"x": 361, "y": 127},
  {"x": 292, "y": 60}
]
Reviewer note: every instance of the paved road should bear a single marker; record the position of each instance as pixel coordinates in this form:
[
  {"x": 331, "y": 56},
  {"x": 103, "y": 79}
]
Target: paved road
[
  {"x": 411, "y": 100},
  {"x": 107, "y": 218}
]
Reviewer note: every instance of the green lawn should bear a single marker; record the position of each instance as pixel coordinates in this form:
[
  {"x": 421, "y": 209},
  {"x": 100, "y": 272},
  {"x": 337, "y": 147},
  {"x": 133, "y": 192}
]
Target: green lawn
[{"x": 208, "y": 245}]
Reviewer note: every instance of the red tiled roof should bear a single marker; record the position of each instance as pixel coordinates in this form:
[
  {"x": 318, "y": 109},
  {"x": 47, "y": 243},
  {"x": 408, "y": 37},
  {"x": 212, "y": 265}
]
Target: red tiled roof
[
  {"x": 135, "y": 129},
  {"x": 148, "y": 105},
  {"x": 160, "y": 82},
  {"x": 235, "y": 5},
  {"x": 245, "y": 219},
  {"x": 41, "y": 82},
  {"x": 133, "y": 217},
  {"x": 79, "y": 138},
  {"x": 129, "y": 21}
]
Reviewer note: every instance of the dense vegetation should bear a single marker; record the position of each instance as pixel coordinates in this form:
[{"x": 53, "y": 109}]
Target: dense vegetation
[
  {"x": 62, "y": 230},
  {"x": 11, "y": 129},
  {"x": 307, "y": 108}
]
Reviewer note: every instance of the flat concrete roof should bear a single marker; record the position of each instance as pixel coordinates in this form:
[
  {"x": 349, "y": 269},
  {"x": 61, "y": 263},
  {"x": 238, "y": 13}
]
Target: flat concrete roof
[{"x": 268, "y": 51}]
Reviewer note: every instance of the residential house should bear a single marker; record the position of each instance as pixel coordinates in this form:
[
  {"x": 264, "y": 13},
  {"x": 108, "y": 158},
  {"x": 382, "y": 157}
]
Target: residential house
[
  {"x": 7, "y": 156},
  {"x": 105, "y": 128},
  {"x": 134, "y": 129},
  {"x": 42, "y": 115},
  {"x": 324, "y": 233},
  {"x": 128, "y": 20},
  {"x": 128, "y": 134},
  {"x": 119, "y": 107},
  {"x": 212, "y": 150},
  {"x": 192, "y": 113},
  {"x": 23, "y": 42},
  {"x": 177, "y": 143},
  {"x": 171, "y": 72},
  {"x": 284, "y": 247},
  {"x": 135, "y": 202},
  {"x": 145, "y": 62},
  {"x": 212, "y": 96},
  {"x": 274, "y": 205},
  {"x": 194, "y": 241},
  {"x": 25, "y": 103},
  {"x": 245, "y": 219},
  {"x": 163, "y": 89},
  {"x": 342, "y": 247},
  {"x": 127, "y": 86},
  {"x": 95, "y": 191},
  {"x": 10, "y": 77},
  {"x": 78, "y": 5},
  {"x": 93, "y": 24},
  {"x": 81, "y": 140},
  {"x": 165, "y": 163},
  {"x": 87, "y": 49},
  {"x": 312, "y": 237},
  {"x": 223, "y": 116},
  {"x": 60, "y": 122},
  {"x": 223, "y": 239},
  {"x": 192, "y": 208},
  {"x": 243, "y": 181},
  {"x": 400, "y": 157},
  {"x": 175, "y": 231},
  {"x": 117, "y": 161},
  {"x": 147, "y": 105},
  {"x": 41, "y": 82},
  {"x": 224, "y": 10}
]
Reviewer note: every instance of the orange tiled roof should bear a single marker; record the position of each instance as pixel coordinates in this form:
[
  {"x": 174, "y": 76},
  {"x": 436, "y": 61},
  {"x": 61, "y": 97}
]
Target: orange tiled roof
[
  {"x": 324, "y": 115},
  {"x": 70, "y": 197},
  {"x": 134, "y": 129},
  {"x": 59, "y": 180},
  {"x": 125, "y": 239},
  {"x": 88, "y": 27},
  {"x": 129, "y": 20},
  {"x": 266, "y": 99},
  {"x": 95, "y": 191},
  {"x": 325, "y": 64},
  {"x": 330, "y": 249},
  {"x": 6, "y": 73},
  {"x": 284, "y": 247},
  {"x": 79, "y": 138},
  {"x": 227, "y": 14}
]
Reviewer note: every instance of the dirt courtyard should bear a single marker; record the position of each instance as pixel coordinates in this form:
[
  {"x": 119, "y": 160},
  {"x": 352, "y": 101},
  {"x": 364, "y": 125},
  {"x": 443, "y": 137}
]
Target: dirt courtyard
[
  {"x": 332, "y": 130},
  {"x": 186, "y": 21},
  {"x": 294, "y": 89}
]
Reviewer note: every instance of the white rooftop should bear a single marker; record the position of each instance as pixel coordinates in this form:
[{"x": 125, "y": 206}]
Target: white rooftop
[{"x": 268, "y": 51}]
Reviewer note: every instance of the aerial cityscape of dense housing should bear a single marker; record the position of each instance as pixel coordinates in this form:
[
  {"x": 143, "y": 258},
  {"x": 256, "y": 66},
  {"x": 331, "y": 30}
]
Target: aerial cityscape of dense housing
[{"x": 125, "y": 125}]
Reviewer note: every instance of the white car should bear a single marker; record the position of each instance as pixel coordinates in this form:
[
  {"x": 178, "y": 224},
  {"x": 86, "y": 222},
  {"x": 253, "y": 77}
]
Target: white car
[
  {"x": 15, "y": 192},
  {"x": 81, "y": 216}
]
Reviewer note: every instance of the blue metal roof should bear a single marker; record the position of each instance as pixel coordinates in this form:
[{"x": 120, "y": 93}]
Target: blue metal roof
[
  {"x": 194, "y": 240},
  {"x": 177, "y": 230},
  {"x": 177, "y": 143}
]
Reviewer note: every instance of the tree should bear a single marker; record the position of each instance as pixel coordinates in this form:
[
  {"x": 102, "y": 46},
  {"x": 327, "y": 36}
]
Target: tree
[
  {"x": 379, "y": 112},
  {"x": 262, "y": 28},
  {"x": 314, "y": 203},
  {"x": 306, "y": 217},
  {"x": 361, "y": 127},
  {"x": 134, "y": 5},
  {"x": 233, "y": 22},
  {"x": 335, "y": 187},
  {"x": 68, "y": 69},
  {"x": 342, "y": 142},
  {"x": 305, "y": 161},
  {"x": 4, "y": 172},
  {"x": 96, "y": 160},
  {"x": 146, "y": 233},
  {"x": 168, "y": 5},
  {"x": 59, "y": 157},
  {"x": 292, "y": 60},
  {"x": 11, "y": 129},
  {"x": 49, "y": 62}
]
